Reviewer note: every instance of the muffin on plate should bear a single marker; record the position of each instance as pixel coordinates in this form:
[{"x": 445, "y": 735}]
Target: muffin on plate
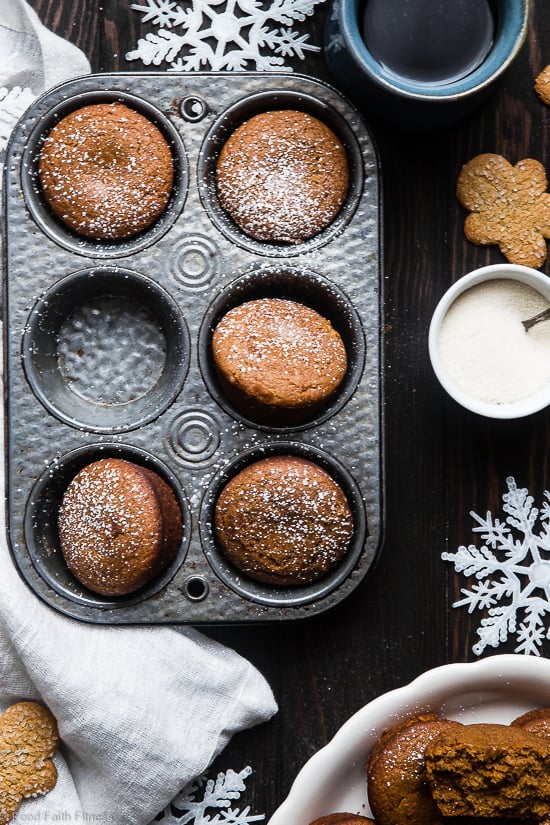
[
  {"x": 536, "y": 721},
  {"x": 489, "y": 770},
  {"x": 343, "y": 818},
  {"x": 397, "y": 785}
]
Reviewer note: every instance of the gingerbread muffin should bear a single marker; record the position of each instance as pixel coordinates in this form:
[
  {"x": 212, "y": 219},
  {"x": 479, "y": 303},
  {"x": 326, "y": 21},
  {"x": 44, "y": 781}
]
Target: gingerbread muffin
[
  {"x": 277, "y": 359},
  {"x": 106, "y": 171},
  {"x": 396, "y": 772},
  {"x": 536, "y": 721},
  {"x": 283, "y": 520},
  {"x": 343, "y": 818},
  {"x": 282, "y": 176},
  {"x": 120, "y": 525},
  {"x": 489, "y": 770}
]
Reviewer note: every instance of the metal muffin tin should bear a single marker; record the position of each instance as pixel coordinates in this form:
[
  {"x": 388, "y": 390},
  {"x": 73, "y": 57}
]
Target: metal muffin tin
[{"x": 107, "y": 348}]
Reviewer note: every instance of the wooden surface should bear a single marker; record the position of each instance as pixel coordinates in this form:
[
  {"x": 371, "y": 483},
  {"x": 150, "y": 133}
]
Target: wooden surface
[{"x": 441, "y": 461}]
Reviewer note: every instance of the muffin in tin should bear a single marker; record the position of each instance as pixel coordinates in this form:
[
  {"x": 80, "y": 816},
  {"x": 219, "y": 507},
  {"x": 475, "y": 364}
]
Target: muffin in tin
[
  {"x": 106, "y": 171},
  {"x": 282, "y": 176},
  {"x": 120, "y": 525},
  {"x": 283, "y": 520},
  {"x": 278, "y": 359}
]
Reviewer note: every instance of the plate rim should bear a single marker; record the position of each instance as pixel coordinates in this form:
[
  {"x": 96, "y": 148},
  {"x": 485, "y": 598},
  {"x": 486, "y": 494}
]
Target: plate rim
[{"x": 507, "y": 671}]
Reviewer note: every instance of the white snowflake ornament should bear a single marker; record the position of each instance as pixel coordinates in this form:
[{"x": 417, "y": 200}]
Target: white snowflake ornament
[
  {"x": 223, "y": 35},
  {"x": 217, "y": 796},
  {"x": 512, "y": 569}
]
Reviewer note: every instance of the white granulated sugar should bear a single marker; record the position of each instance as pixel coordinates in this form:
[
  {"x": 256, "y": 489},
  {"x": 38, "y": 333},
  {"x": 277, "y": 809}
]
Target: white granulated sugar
[{"x": 485, "y": 348}]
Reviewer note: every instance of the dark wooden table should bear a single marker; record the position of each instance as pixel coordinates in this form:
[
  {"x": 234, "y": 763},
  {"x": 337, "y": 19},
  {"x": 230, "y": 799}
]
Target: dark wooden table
[{"x": 441, "y": 461}]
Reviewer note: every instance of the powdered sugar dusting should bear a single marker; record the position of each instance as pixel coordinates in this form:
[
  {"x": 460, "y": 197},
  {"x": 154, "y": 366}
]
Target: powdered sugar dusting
[
  {"x": 106, "y": 171},
  {"x": 284, "y": 519},
  {"x": 282, "y": 176},
  {"x": 280, "y": 351}
]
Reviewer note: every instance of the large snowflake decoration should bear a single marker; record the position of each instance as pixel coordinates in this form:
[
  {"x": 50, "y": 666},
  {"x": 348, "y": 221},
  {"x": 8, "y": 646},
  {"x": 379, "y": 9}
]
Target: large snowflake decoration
[
  {"x": 223, "y": 35},
  {"x": 203, "y": 795},
  {"x": 512, "y": 569}
]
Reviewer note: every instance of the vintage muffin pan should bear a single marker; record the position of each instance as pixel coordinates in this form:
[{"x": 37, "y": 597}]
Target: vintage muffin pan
[{"x": 107, "y": 348}]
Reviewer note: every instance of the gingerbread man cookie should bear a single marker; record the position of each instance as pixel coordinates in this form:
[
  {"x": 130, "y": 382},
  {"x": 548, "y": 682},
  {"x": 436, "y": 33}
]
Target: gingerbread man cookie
[
  {"x": 542, "y": 85},
  {"x": 509, "y": 206},
  {"x": 28, "y": 740}
]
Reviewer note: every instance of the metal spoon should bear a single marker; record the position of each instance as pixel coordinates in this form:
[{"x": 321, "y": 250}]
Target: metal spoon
[{"x": 541, "y": 316}]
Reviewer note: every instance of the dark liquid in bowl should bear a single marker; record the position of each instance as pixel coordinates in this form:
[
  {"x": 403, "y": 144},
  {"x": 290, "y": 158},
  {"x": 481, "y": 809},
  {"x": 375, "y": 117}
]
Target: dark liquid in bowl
[{"x": 434, "y": 42}]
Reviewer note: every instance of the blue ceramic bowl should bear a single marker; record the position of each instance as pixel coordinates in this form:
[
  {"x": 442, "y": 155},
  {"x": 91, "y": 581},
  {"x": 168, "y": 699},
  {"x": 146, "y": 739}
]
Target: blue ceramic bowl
[{"x": 406, "y": 103}]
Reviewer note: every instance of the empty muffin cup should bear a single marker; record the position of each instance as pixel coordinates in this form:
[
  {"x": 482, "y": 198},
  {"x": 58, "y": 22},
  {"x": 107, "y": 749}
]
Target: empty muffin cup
[
  {"x": 42, "y": 531},
  {"x": 99, "y": 190},
  {"x": 283, "y": 184},
  {"x": 106, "y": 349},
  {"x": 353, "y": 532},
  {"x": 256, "y": 391}
]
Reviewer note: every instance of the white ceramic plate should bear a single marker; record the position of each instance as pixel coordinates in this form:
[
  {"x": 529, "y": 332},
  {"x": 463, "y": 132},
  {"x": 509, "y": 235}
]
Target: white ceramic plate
[{"x": 495, "y": 689}]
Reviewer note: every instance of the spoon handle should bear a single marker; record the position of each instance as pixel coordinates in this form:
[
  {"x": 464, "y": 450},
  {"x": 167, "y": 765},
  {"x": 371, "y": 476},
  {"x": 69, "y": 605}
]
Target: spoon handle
[{"x": 541, "y": 316}]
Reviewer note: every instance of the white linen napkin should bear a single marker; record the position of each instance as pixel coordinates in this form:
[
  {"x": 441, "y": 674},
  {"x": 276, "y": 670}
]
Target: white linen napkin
[{"x": 141, "y": 711}]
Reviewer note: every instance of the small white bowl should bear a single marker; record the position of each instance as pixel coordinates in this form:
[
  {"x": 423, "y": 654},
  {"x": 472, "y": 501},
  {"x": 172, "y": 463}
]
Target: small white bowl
[
  {"x": 495, "y": 689},
  {"x": 505, "y": 409}
]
